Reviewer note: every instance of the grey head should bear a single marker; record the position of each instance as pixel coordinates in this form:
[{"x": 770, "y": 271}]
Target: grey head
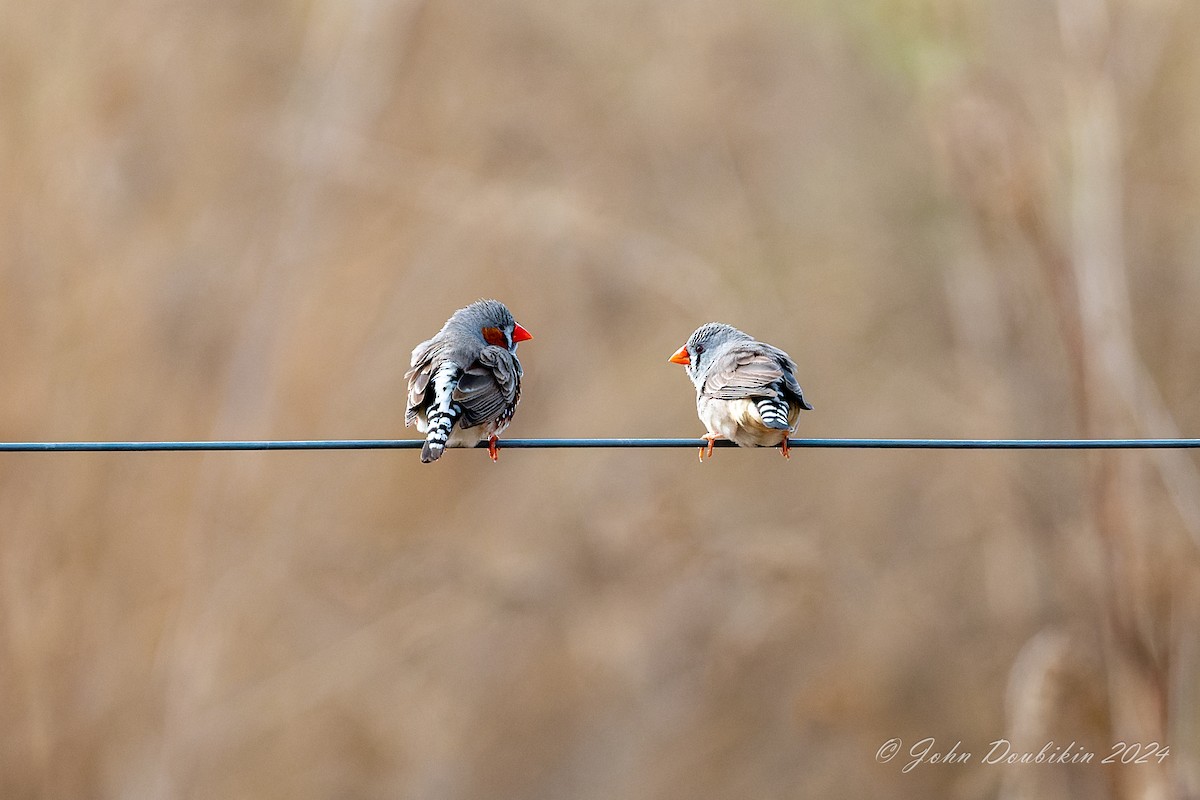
[
  {"x": 487, "y": 322},
  {"x": 705, "y": 345}
]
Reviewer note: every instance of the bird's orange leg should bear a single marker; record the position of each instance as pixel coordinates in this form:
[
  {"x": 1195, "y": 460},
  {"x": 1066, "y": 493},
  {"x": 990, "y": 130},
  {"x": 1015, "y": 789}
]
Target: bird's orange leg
[
  {"x": 710, "y": 438},
  {"x": 493, "y": 449},
  {"x": 785, "y": 448}
]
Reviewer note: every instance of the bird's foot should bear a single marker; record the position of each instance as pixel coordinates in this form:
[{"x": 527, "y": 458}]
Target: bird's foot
[
  {"x": 493, "y": 448},
  {"x": 708, "y": 451},
  {"x": 785, "y": 449}
]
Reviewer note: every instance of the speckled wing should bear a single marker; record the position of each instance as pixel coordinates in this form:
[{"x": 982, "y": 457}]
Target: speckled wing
[{"x": 490, "y": 388}]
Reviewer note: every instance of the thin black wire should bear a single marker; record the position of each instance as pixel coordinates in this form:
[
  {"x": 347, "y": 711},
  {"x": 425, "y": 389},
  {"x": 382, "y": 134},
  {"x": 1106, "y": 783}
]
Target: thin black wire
[{"x": 524, "y": 444}]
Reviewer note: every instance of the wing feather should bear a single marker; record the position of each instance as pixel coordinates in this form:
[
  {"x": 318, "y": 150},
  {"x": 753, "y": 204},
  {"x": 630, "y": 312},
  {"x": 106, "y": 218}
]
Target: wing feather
[
  {"x": 489, "y": 386},
  {"x": 754, "y": 369},
  {"x": 742, "y": 371},
  {"x": 418, "y": 378}
]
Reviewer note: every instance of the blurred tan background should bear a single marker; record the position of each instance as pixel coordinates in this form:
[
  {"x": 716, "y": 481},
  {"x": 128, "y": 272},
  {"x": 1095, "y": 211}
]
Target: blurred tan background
[{"x": 228, "y": 219}]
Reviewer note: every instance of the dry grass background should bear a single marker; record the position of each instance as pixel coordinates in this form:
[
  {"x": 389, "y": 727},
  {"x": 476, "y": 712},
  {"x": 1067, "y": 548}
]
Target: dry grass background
[{"x": 228, "y": 219}]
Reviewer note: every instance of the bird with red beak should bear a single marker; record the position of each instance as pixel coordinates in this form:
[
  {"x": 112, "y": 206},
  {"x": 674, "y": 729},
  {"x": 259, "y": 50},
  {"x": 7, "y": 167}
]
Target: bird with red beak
[
  {"x": 746, "y": 390},
  {"x": 465, "y": 382}
]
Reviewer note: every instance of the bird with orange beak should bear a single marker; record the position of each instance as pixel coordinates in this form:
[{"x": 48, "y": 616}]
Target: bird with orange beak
[
  {"x": 746, "y": 390},
  {"x": 465, "y": 382}
]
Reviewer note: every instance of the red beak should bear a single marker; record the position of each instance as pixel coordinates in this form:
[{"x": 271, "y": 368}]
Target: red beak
[
  {"x": 520, "y": 334},
  {"x": 681, "y": 356}
]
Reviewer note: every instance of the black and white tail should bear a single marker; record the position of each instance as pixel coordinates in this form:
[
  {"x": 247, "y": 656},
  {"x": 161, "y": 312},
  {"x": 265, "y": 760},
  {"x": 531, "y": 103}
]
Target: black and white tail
[
  {"x": 443, "y": 413},
  {"x": 774, "y": 412}
]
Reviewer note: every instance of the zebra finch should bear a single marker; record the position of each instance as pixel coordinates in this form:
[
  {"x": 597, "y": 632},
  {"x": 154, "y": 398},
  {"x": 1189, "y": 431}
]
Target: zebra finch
[
  {"x": 465, "y": 382},
  {"x": 746, "y": 390}
]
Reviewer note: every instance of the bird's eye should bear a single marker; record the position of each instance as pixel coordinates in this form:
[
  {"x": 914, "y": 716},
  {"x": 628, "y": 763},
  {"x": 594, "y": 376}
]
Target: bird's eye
[{"x": 699, "y": 349}]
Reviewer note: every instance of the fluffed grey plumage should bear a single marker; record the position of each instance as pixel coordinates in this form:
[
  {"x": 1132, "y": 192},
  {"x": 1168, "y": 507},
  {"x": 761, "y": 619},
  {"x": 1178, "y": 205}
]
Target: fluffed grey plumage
[
  {"x": 746, "y": 390},
  {"x": 465, "y": 382}
]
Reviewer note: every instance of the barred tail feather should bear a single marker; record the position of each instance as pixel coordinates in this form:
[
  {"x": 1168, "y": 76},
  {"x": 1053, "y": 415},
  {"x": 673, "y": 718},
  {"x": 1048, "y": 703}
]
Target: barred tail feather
[
  {"x": 440, "y": 427},
  {"x": 443, "y": 412},
  {"x": 435, "y": 440},
  {"x": 774, "y": 413}
]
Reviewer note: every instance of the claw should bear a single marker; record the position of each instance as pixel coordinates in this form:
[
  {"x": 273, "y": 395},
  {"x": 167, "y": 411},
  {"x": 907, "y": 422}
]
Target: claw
[
  {"x": 784, "y": 448},
  {"x": 708, "y": 451},
  {"x": 493, "y": 450}
]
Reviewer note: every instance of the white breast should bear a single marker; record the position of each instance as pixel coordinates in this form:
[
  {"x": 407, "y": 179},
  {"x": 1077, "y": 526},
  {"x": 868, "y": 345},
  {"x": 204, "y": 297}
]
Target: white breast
[{"x": 738, "y": 421}]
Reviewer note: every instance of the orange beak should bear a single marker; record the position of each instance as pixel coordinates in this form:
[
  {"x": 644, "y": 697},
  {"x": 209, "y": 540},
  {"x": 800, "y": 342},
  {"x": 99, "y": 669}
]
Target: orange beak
[
  {"x": 520, "y": 334},
  {"x": 681, "y": 356}
]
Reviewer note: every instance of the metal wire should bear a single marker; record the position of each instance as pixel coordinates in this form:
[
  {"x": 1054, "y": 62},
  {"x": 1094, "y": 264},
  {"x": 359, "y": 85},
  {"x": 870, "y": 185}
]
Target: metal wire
[{"x": 522, "y": 444}]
